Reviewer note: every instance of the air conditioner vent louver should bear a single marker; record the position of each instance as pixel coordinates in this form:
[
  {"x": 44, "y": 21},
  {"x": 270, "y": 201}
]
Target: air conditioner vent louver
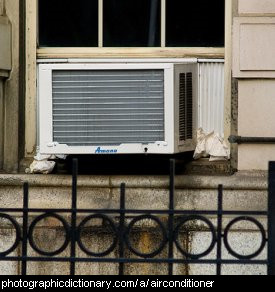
[
  {"x": 185, "y": 106},
  {"x": 110, "y": 107}
]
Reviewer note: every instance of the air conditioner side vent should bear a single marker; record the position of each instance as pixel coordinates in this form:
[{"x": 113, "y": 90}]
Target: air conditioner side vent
[{"x": 185, "y": 106}]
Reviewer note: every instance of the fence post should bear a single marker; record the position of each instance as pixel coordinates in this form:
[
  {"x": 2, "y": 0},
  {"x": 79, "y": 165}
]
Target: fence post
[
  {"x": 25, "y": 228},
  {"x": 73, "y": 215},
  {"x": 171, "y": 215},
  {"x": 121, "y": 227},
  {"x": 271, "y": 218},
  {"x": 219, "y": 229}
]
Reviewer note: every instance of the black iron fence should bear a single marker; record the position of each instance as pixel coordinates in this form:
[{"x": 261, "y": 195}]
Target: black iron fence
[{"x": 121, "y": 226}]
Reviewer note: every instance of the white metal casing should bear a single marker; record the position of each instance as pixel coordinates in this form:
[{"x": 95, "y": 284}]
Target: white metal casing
[
  {"x": 171, "y": 143},
  {"x": 211, "y": 95}
]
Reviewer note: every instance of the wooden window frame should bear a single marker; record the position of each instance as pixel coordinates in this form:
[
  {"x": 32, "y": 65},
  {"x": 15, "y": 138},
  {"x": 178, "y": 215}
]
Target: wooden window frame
[
  {"x": 33, "y": 52},
  {"x": 128, "y": 52}
]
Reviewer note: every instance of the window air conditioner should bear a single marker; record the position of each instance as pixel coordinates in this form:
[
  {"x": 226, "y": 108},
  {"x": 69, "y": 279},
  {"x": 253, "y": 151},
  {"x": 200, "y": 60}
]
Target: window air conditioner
[{"x": 117, "y": 108}]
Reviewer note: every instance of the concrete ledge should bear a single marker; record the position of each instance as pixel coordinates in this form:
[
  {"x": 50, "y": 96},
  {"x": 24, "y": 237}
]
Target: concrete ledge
[
  {"x": 241, "y": 192},
  {"x": 236, "y": 181}
]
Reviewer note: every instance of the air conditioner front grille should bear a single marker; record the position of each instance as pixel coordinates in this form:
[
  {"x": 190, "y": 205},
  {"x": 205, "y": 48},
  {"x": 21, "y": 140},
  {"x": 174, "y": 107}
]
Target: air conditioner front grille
[
  {"x": 110, "y": 107},
  {"x": 185, "y": 106}
]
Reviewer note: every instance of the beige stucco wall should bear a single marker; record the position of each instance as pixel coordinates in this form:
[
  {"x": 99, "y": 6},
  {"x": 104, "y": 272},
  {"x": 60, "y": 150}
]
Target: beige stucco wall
[
  {"x": 256, "y": 119},
  {"x": 253, "y": 65},
  {"x": 253, "y": 42},
  {"x": 256, "y": 107},
  {"x": 255, "y": 156},
  {"x": 256, "y": 6}
]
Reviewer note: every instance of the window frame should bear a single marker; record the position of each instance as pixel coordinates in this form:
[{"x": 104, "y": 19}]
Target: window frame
[
  {"x": 33, "y": 53},
  {"x": 100, "y": 50}
]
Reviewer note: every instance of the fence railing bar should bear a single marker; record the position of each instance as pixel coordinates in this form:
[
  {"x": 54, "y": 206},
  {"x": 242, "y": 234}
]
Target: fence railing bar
[
  {"x": 25, "y": 227},
  {"x": 171, "y": 215},
  {"x": 121, "y": 227},
  {"x": 219, "y": 229},
  {"x": 271, "y": 219},
  {"x": 134, "y": 211},
  {"x": 73, "y": 215}
]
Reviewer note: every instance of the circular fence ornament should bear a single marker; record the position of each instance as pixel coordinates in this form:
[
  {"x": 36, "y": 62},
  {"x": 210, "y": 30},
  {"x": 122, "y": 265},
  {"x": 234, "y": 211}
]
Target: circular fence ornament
[
  {"x": 66, "y": 230},
  {"x": 211, "y": 229},
  {"x": 106, "y": 219},
  {"x": 161, "y": 244},
  {"x": 17, "y": 234},
  {"x": 261, "y": 229}
]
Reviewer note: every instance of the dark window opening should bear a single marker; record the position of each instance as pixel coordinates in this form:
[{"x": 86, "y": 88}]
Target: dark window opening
[
  {"x": 134, "y": 23},
  {"x": 68, "y": 23},
  {"x": 196, "y": 23},
  {"x": 131, "y": 23}
]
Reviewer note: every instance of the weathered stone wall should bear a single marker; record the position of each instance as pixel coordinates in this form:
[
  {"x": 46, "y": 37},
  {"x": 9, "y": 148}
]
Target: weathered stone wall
[
  {"x": 192, "y": 193},
  {"x": 9, "y": 84}
]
